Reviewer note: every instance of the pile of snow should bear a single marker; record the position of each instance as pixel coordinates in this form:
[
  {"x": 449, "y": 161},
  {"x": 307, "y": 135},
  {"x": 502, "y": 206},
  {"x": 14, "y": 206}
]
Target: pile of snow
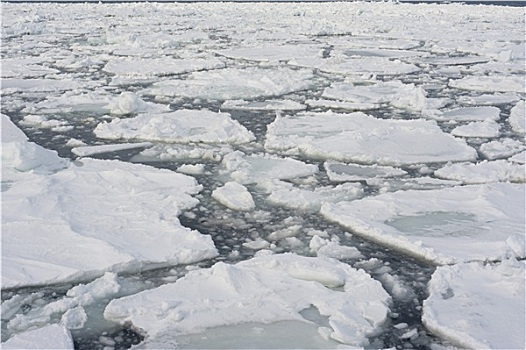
[
  {"x": 477, "y": 305},
  {"x": 360, "y": 138},
  {"x": 235, "y": 83},
  {"x": 479, "y": 222},
  {"x": 262, "y": 290},
  {"x": 181, "y": 126}
]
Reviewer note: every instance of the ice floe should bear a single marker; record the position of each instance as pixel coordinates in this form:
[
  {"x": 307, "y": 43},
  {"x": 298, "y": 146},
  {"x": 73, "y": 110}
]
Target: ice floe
[
  {"x": 360, "y": 138},
  {"x": 501, "y": 148},
  {"x": 272, "y": 53},
  {"x": 483, "y": 172},
  {"x": 135, "y": 207},
  {"x": 235, "y": 84},
  {"x": 509, "y": 83},
  {"x": 517, "y": 117},
  {"x": 486, "y": 128},
  {"x": 84, "y": 151},
  {"x": 234, "y": 196},
  {"x": 394, "y": 93},
  {"x": 272, "y": 105},
  {"x": 181, "y": 126},
  {"x": 477, "y": 222},
  {"x": 52, "y": 336},
  {"x": 478, "y": 306},
  {"x": 469, "y": 114},
  {"x": 263, "y": 290},
  {"x": 341, "y": 172}
]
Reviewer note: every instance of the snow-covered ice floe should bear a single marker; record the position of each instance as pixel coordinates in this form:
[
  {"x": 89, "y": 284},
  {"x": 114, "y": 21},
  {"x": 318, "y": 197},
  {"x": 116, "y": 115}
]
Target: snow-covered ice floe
[
  {"x": 483, "y": 172},
  {"x": 53, "y": 336},
  {"x": 182, "y": 126},
  {"x": 477, "y": 222},
  {"x": 478, "y": 306},
  {"x": 90, "y": 216},
  {"x": 345, "y": 304},
  {"x": 357, "y": 137}
]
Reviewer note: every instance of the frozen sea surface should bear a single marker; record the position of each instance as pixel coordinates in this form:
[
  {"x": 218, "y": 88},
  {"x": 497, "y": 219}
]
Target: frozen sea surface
[{"x": 255, "y": 175}]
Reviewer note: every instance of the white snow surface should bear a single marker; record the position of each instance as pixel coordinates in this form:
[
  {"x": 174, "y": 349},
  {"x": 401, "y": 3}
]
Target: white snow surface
[
  {"x": 483, "y": 172},
  {"x": 478, "y": 306},
  {"x": 182, "y": 126},
  {"x": 357, "y": 137},
  {"x": 53, "y": 336},
  {"x": 518, "y": 117},
  {"x": 445, "y": 226},
  {"x": 235, "y": 83},
  {"x": 265, "y": 289},
  {"x": 235, "y": 196},
  {"x": 135, "y": 207}
]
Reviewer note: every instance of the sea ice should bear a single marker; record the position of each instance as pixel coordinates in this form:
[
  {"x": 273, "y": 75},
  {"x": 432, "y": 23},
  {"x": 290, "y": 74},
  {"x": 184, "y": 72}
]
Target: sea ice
[
  {"x": 486, "y": 128},
  {"x": 275, "y": 54},
  {"x": 517, "y": 117},
  {"x": 395, "y": 93},
  {"x": 501, "y": 149},
  {"x": 235, "y": 83},
  {"x": 20, "y": 155},
  {"x": 341, "y": 172},
  {"x": 234, "y": 196},
  {"x": 159, "y": 66},
  {"x": 450, "y": 225},
  {"x": 181, "y": 126},
  {"x": 265, "y": 289},
  {"x": 52, "y": 336},
  {"x": 483, "y": 172},
  {"x": 272, "y": 105},
  {"x": 84, "y": 151},
  {"x": 509, "y": 83},
  {"x": 478, "y": 306},
  {"x": 262, "y": 168},
  {"x": 360, "y": 138},
  {"x": 135, "y": 207},
  {"x": 469, "y": 114}
]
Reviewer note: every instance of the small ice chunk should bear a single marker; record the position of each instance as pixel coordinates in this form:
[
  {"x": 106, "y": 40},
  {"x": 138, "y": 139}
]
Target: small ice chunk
[
  {"x": 517, "y": 117},
  {"x": 191, "y": 169},
  {"x": 332, "y": 249},
  {"x": 74, "y": 318},
  {"x": 235, "y": 196},
  {"x": 483, "y": 172},
  {"x": 478, "y": 305},
  {"x": 52, "y": 336},
  {"x": 487, "y": 128}
]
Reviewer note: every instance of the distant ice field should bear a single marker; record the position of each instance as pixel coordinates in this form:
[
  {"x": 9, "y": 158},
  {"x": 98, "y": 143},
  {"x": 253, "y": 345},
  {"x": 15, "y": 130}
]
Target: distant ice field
[{"x": 263, "y": 175}]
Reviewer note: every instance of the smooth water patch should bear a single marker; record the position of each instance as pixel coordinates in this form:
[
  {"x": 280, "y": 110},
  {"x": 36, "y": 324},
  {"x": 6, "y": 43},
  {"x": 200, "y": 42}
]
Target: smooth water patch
[{"x": 437, "y": 224}]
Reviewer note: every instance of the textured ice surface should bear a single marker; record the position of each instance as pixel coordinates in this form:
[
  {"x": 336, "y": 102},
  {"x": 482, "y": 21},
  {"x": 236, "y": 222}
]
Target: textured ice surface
[
  {"x": 52, "y": 336},
  {"x": 135, "y": 207},
  {"x": 235, "y": 83},
  {"x": 477, "y": 305},
  {"x": 265, "y": 289},
  {"x": 182, "y": 126},
  {"x": 361, "y": 138},
  {"x": 445, "y": 226}
]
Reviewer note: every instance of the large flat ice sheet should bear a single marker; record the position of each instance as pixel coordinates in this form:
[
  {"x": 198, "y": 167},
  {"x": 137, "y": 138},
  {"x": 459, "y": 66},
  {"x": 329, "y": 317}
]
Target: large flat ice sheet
[
  {"x": 266, "y": 289},
  {"x": 360, "y": 138},
  {"x": 479, "y": 222},
  {"x": 478, "y": 306}
]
